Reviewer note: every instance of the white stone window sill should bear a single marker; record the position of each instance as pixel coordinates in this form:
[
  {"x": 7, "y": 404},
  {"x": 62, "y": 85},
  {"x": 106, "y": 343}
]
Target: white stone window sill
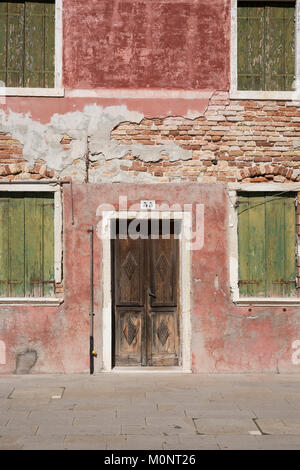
[
  {"x": 268, "y": 301},
  {"x": 10, "y": 91},
  {"x": 47, "y": 301},
  {"x": 265, "y": 95}
]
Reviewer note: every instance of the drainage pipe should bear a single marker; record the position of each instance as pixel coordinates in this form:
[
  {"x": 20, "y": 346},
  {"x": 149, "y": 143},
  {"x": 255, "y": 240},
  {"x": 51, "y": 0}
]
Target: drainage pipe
[{"x": 92, "y": 351}]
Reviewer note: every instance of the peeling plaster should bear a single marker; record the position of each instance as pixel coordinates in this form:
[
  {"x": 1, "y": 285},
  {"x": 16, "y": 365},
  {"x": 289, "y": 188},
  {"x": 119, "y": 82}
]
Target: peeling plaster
[{"x": 94, "y": 124}]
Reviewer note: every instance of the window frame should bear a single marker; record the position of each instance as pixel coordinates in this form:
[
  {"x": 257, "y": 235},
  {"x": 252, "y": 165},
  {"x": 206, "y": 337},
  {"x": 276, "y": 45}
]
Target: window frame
[
  {"x": 58, "y": 90},
  {"x": 260, "y": 94},
  {"x": 55, "y": 188},
  {"x": 234, "y": 189}
]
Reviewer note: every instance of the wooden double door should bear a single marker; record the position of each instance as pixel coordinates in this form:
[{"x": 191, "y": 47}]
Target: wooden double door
[{"x": 146, "y": 299}]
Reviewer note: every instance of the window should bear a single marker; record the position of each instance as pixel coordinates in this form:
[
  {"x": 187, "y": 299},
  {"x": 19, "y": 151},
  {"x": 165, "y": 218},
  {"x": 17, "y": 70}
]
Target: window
[
  {"x": 27, "y": 43},
  {"x": 31, "y": 48},
  {"x": 26, "y": 244},
  {"x": 266, "y": 45},
  {"x": 267, "y": 245},
  {"x": 265, "y": 53}
]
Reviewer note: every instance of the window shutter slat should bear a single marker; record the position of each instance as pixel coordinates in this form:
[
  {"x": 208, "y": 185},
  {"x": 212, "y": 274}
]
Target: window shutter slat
[
  {"x": 48, "y": 246},
  {"x": 250, "y": 56},
  {"x": 16, "y": 246},
  {"x": 290, "y": 247},
  {"x": 279, "y": 47},
  {"x": 33, "y": 247},
  {"x": 252, "y": 253},
  {"x": 3, "y": 37},
  {"x": 49, "y": 44},
  {"x": 15, "y": 45},
  {"x": 256, "y": 247},
  {"x": 4, "y": 246},
  {"x": 243, "y": 238},
  {"x": 275, "y": 240},
  {"x": 34, "y": 44}
]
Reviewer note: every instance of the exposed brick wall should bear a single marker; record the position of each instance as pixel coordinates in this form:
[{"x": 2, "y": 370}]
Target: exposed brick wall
[
  {"x": 13, "y": 166},
  {"x": 255, "y": 141},
  {"x": 66, "y": 142},
  {"x": 10, "y": 149}
]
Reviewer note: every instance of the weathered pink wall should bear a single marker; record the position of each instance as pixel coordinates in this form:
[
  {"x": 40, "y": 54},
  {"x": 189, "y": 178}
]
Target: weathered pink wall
[
  {"x": 225, "y": 338},
  {"x": 141, "y": 43},
  {"x": 42, "y": 109}
]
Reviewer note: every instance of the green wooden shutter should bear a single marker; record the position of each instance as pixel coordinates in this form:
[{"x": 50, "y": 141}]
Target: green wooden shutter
[
  {"x": 266, "y": 45},
  {"x": 4, "y": 246},
  {"x": 267, "y": 245},
  {"x": 27, "y": 245},
  {"x": 27, "y": 35},
  {"x": 49, "y": 48},
  {"x": 250, "y": 56},
  {"x": 12, "y": 43},
  {"x": 16, "y": 245},
  {"x": 39, "y": 245}
]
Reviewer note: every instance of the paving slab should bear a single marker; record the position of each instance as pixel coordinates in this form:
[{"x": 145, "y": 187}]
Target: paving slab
[
  {"x": 94, "y": 417},
  {"x": 196, "y": 442},
  {"x": 18, "y": 431},
  {"x": 11, "y": 443},
  {"x": 279, "y": 442},
  {"x": 238, "y": 442},
  {"x": 147, "y": 411},
  {"x": 148, "y": 442},
  {"x": 31, "y": 393},
  {"x": 280, "y": 426},
  {"x": 5, "y": 390},
  {"x": 39, "y": 417},
  {"x": 44, "y": 443},
  {"x": 225, "y": 426},
  {"x": 91, "y": 441},
  {"x": 219, "y": 413},
  {"x": 61, "y": 430}
]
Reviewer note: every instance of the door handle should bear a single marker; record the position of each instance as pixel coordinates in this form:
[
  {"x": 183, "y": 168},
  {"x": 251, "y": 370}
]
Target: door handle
[{"x": 151, "y": 293}]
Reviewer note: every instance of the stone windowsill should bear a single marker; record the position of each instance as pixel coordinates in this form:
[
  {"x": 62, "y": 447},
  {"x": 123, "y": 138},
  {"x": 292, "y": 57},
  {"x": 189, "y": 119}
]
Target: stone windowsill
[
  {"x": 264, "y": 95},
  {"x": 46, "y": 301},
  {"x": 268, "y": 301},
  {"x": 10, "y": 91}
]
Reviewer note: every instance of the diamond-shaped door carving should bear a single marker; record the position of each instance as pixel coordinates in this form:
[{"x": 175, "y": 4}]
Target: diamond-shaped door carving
[
  {"x": 129, "y": 265},
  {"x": 130, "y": 331},
  {"x": 162, "y": 266},
  {"x": 163, "y": 332}
]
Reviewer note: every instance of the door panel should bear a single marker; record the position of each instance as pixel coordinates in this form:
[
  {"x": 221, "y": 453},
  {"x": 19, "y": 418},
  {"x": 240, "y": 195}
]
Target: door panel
[
  {"x": 163, "y": 272},
  {"x": 163, "y": 339},
  {"x": 130, "y": 269},
  {"x": 128, "y": 336},
  {"x": 145, "y": 286}
]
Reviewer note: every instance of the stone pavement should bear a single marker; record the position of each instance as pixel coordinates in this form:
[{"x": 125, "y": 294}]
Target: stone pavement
[{"x": 132, "y": 411}]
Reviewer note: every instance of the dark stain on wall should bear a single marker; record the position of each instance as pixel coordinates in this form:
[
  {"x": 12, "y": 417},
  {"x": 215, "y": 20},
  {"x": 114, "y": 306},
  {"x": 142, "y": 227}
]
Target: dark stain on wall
[{"x": 25, "y": 361}]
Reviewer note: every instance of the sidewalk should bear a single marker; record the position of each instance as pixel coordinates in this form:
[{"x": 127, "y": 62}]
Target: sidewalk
[{"x": 150, "y": 411}]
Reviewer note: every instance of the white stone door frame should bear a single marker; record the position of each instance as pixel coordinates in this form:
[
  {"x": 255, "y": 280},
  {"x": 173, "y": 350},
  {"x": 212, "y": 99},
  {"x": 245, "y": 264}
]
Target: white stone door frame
[{"x": 185, "y": 253}]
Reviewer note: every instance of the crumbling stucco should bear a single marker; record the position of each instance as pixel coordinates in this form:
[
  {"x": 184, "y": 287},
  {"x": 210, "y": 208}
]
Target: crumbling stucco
[{"x": 90, "y": 131}]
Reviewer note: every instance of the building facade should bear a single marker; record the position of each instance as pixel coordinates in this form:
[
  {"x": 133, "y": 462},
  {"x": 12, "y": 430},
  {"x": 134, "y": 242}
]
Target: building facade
[{"x": 172, "y": 128}]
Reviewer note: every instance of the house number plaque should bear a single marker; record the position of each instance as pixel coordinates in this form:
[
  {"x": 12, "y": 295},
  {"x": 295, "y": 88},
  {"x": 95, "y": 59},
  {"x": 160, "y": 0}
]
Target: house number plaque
[{"x": 148, "y": 205}]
